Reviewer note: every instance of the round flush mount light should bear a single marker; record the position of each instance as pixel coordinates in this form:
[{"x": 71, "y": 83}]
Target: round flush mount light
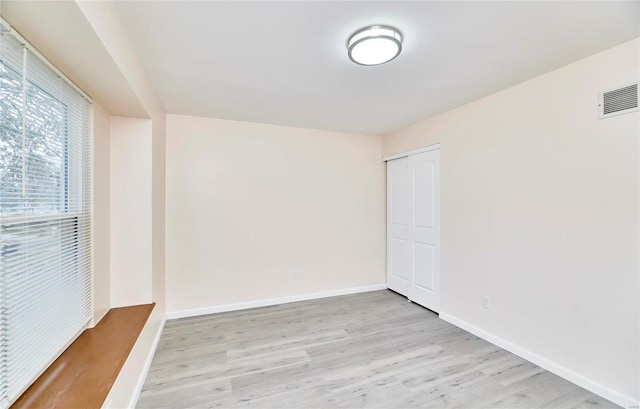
[{"x": 374, "y": 45}]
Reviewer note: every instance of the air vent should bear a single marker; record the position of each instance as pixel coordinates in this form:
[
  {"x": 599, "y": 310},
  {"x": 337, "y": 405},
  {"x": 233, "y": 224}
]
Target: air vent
[{"x": 618, "y": 101}]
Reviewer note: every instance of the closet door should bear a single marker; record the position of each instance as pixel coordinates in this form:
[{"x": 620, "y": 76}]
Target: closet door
[
  {"x": 398, "y": 225},
  {"x": 424, "y": 229}
]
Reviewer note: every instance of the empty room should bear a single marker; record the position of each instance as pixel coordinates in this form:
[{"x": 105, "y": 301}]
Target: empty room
[{"x": 319, "y": 204}]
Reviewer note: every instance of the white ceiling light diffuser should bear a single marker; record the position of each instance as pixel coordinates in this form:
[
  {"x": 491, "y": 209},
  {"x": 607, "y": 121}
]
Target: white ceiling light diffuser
[{"x": 374, "y": 45}]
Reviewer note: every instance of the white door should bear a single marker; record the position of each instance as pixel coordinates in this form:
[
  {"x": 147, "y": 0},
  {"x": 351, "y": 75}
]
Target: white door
[
  {"x": 398, "y": 225},
  {"x": 424, "y": 229}
]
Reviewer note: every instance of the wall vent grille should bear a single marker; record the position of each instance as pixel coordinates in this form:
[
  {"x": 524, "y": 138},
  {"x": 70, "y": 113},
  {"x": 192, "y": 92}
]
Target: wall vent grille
[{"x": 618, "y": 101}]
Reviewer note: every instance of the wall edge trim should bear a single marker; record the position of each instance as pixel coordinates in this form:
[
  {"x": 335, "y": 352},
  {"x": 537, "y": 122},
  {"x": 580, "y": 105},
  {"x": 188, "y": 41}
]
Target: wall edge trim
[
  {"x": 566, "y": 373},
  {"x": 272, "y": 301},
  {"x": 411, "y": 152}
]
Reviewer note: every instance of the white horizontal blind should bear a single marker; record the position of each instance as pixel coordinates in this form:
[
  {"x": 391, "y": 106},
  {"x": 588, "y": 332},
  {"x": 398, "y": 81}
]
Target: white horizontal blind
[{"x": 45, "y": 216}]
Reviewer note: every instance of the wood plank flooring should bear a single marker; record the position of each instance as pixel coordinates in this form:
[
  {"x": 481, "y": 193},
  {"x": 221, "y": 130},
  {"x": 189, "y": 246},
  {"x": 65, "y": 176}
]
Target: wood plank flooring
[
  {"x": 83, "y": 375},
  {"x": 369, "y": 350}
]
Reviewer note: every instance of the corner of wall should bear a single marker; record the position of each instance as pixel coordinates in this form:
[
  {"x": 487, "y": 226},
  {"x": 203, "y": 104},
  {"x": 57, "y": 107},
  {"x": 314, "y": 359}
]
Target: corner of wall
[{"x": 101, "y": 213}]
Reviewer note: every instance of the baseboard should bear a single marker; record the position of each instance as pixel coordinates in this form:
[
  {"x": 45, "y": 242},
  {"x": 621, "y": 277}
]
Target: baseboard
[
  {"x": 129, "y": 382},
  {"x": 272, "y": 301},
  {"x": 580, "y": 380}
]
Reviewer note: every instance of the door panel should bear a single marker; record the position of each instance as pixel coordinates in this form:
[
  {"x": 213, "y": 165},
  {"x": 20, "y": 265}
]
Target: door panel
[
  {"x": 424, "y": 181},
  {"x": 425, "y": 262},
  {"x": 397, "y": 225},
  {"x": 399, "y": 258},
  {"x": 399, "y": 179},
  {"x": 424, "y": 229}
]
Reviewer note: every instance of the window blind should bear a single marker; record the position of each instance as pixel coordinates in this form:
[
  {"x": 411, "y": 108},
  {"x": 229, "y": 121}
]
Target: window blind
[{"x": 45, "y": 216}]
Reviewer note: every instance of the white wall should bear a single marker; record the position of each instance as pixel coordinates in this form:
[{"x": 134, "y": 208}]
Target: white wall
[
  {"x": 540, "y": 212},
  {"x": 158, "y": 237},
  {"x": 104, "y": 19},
  {"x": 101, "y": 213},
  {"x": 248, "y": 204},
  {"x": 131, "y": 184}
]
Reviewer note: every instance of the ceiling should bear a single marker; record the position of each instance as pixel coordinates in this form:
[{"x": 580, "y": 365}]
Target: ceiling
[{"x": 286, "y": 62}]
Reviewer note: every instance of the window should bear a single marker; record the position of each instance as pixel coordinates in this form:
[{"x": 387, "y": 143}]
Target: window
[{"x": 45, "y": 216}]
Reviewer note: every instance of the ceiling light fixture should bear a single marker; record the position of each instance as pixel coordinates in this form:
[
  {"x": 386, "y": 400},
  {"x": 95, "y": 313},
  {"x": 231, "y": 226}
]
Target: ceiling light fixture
[{"x": 374, "y": 45}]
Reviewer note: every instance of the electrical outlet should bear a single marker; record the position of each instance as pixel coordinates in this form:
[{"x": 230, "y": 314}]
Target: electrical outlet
[
  {"x": 294, "y": 275},
  {"x": 484, "y": 303}
]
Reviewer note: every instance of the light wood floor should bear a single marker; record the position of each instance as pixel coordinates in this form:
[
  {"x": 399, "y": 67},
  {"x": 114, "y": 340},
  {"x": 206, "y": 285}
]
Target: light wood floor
[{"x": 372, "y": 350}]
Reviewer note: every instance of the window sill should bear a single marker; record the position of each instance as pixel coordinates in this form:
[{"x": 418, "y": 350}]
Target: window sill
[{"x": 85, "y": 372}]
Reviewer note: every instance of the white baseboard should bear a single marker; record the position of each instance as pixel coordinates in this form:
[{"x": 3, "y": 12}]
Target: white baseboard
[
  {"x": 272, "y": 301},
  {"x": 128, "y": 384},
  {"x": 580, "y": 380}
]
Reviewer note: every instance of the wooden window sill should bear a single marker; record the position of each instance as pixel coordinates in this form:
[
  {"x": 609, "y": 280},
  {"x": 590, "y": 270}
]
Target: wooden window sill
[{"x": 85, "y": 372}]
